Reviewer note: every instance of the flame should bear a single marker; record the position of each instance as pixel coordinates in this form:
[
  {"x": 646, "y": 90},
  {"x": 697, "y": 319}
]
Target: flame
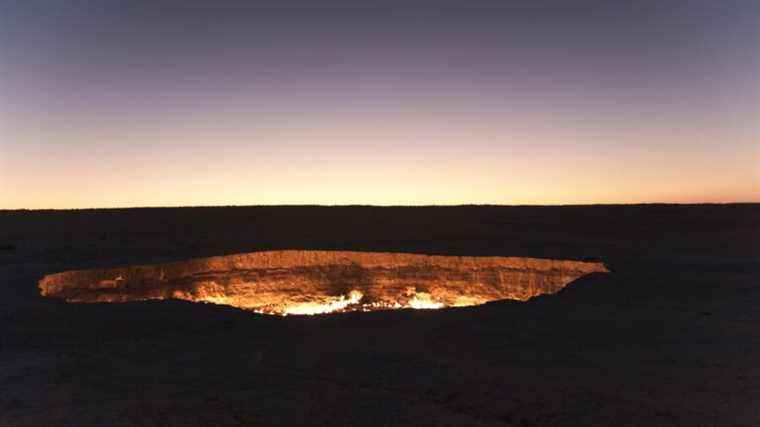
[
  {"x": 423, "y": 300},
  {"x": 336, "y": 305},
  {"x": 353, "y": 301}
]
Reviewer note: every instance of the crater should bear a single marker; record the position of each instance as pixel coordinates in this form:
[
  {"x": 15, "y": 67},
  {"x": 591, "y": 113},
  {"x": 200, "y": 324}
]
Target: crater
[{"x": 318, "y": 282}]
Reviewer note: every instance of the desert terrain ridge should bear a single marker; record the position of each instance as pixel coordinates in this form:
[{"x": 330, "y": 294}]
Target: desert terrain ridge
[{"x": 669, "y": 337}]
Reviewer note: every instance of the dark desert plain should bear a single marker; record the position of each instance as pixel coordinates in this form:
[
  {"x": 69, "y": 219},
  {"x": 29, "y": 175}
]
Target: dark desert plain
[{"x": 669, "y": 337}]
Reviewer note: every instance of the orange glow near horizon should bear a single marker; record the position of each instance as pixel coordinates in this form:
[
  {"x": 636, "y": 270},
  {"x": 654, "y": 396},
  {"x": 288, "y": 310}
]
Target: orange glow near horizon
[{"x": 458, "y": 165}]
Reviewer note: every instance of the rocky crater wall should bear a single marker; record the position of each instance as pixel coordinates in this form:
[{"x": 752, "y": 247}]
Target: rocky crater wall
[{"x": 310, "y": 282}]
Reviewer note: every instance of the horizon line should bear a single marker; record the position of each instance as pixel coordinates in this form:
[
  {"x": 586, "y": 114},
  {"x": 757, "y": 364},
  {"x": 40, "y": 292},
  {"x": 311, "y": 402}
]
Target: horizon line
[{"x": 361, "y": 205}]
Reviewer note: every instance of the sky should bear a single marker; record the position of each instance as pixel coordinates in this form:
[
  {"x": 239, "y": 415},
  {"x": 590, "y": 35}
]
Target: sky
[{"x": 161, "y": 103}]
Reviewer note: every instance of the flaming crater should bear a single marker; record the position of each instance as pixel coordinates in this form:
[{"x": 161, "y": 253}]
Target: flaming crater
[{"x": 318, "y": 282}]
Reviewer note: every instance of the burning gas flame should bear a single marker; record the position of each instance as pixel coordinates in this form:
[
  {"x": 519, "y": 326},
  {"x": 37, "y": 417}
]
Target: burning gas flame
[
  {"x": 353, "y": 301},
  {"x": 423, "y": 300},
  {"x": 336, "y": 305}
]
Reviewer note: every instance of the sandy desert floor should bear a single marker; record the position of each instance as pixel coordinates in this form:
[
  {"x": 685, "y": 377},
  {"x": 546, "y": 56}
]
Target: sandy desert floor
[{"x": 670, "y": 337}]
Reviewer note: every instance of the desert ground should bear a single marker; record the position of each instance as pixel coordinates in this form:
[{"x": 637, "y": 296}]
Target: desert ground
[{"x": 670, "y": 337}]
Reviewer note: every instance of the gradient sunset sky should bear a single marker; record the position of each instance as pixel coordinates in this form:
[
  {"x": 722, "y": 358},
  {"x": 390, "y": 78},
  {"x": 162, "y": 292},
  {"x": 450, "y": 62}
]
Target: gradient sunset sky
[{"x": 125, "y": 103}]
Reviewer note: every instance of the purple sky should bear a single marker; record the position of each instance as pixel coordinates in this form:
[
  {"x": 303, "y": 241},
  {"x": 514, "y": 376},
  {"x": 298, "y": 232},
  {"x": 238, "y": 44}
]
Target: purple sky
[{"x": 191, "y": 103}]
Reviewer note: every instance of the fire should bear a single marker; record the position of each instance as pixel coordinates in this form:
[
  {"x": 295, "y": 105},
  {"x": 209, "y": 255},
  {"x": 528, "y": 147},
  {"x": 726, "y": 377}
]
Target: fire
[
  {"x": 354, "y": 301},
  {"x": 423, "y": 300},
  {"x": 336, "y": 305}
]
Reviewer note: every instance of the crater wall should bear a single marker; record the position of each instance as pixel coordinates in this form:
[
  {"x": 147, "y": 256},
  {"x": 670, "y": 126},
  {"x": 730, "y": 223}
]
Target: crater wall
[{"x": 308, "y": 282}]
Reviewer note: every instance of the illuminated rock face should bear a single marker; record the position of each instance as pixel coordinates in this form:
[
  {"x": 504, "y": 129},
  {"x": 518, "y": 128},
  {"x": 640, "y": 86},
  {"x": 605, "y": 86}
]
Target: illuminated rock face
[{"x": 313, "y": 282}]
